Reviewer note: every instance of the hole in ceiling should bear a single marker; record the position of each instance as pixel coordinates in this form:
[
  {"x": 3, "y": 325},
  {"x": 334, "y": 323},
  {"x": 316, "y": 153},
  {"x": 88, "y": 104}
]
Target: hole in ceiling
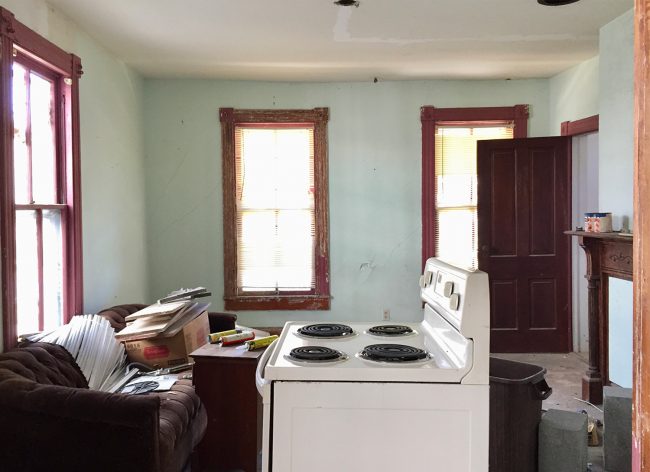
[
  {"x": 555, "y": 3},
  {"x": 347, "y": 3}
]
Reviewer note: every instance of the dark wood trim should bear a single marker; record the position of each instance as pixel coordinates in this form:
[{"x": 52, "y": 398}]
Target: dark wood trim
[
  {"x": 315, "y": 302},
  {"x": 608, "y": 255},
  {"x": 583, "y": 126},
  {"x": 517, "y": 114},
  {"x": 428, "y": 187},
  {"x": 318, "y": 117},
  {"x": 430, "y": 117},
  {"x": 7, "y": 213},
  {"x": 66, "y": 68},
  {"x": 240, "y": 116},
  {"x": 35, "y": 206},
  {"x": 641, "y": 330},
  {"x": 73, "y": 186},
  {"x": 229, "y": 184},
  {"x": 33, "y": 44}
]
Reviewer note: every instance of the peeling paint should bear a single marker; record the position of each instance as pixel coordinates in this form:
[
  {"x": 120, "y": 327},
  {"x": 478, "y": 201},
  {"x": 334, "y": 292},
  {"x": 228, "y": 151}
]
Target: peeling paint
[{"x": 367, "y": 266}]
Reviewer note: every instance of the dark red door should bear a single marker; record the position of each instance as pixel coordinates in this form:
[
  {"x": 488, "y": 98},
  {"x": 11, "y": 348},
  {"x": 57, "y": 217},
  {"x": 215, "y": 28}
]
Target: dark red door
[{"x": 523, "y": 210}]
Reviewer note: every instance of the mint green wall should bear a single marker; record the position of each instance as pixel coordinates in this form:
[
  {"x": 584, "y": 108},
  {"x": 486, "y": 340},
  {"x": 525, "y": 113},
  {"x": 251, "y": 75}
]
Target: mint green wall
[
  {"x": 115, "y": 266},
  {"x": 616, "y": 169},
  {"x": 374, "y": 177},
  {"x": 573, "y": 94},
  {"x": 616, "y": 105}
]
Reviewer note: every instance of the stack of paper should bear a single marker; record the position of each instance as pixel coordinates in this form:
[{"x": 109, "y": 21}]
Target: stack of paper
[
  {"x": 160, "y": 319},
  {"x": 185, "y": 294},
  {"x": 91, "y": 341}
]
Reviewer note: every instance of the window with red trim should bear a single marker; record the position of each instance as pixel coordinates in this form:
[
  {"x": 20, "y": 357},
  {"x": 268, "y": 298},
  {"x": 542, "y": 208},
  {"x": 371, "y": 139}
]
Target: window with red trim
[
  {"x": 40, "y": 198},
  {"x": 275, "y": 209},
  {"x": 449, "y": 137}
]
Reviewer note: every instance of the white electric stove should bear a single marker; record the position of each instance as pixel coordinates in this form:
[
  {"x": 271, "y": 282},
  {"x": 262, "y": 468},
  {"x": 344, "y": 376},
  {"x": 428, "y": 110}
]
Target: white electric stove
[{"x": 384, "y": 396}]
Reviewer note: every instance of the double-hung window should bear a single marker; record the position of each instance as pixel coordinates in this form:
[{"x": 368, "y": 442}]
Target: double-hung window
[
  {"x": 40, "y": 199},
  {"x": 275, "y": 209},
  {"x": 449, "y": 181}
]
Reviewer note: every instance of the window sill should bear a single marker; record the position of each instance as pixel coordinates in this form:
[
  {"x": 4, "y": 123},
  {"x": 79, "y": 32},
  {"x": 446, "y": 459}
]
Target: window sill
[{"x": 288, "y": 302}]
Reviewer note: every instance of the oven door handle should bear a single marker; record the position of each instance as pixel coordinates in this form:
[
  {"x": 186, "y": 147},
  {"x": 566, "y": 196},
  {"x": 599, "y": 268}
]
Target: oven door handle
[{"x": 260, "y": 381}]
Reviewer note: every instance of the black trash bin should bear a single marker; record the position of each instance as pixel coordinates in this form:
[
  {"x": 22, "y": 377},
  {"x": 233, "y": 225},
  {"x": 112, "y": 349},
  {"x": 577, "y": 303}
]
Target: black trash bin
[{"x": 516, "y": 393}]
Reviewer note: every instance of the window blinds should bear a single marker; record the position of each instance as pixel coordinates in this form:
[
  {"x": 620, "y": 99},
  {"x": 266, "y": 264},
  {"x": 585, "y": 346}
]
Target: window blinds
[
  {"x": 456, "y": 181},
  {"x": 275, "y": 209}
]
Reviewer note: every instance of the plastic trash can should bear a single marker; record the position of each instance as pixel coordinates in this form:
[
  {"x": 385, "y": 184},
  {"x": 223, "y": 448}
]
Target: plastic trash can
[{"x": 516, "y": 393}]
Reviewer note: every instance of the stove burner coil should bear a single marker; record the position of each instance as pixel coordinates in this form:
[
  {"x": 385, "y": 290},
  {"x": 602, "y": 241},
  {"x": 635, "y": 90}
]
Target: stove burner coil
[
  {"x": 325, "y": 330},
  {"x": 393, "y": 353},
  {"x": 315, "y": 353},
  {"x": 390, "y": 330}
]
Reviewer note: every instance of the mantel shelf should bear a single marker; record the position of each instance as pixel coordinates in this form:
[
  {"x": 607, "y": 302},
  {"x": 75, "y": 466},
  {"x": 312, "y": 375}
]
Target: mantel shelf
[{"x": 609, "y": 236}]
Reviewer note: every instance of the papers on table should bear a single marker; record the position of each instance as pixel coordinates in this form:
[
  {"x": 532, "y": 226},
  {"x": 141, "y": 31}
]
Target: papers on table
[{"x": 163, "y": 383}]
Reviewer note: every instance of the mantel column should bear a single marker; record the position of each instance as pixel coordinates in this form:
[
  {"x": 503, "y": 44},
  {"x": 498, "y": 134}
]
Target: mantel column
[{"x": 592, "y": 380}]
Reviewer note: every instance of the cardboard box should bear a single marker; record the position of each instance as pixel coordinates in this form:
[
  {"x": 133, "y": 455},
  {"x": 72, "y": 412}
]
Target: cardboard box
[{"x": 162, "y": 351}]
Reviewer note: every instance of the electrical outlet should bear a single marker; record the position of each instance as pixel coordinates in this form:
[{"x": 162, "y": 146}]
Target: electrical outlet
[{"x": 386, "y": 314}]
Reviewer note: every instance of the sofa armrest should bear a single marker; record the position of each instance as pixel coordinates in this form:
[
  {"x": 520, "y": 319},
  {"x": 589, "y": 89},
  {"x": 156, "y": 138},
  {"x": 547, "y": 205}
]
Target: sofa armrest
[
  {"x": 116, "y": 314},
  {"x": 49, "y": 427},
  {"x": 221, "y": 321}
]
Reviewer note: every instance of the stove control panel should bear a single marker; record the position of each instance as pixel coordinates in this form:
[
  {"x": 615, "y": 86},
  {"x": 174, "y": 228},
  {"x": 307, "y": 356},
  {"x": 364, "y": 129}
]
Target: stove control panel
[
  {"x": 454, "y": 301},
  {"x": 449, "y": 289},
  {"x": 426, "y": 279}
]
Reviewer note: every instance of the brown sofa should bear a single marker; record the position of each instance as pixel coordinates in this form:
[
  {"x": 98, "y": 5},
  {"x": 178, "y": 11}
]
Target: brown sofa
[{"x": 50, "y": 420}]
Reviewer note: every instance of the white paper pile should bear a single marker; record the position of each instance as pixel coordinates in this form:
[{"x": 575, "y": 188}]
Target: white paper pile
[
  {"x": 91, "y": 341},
  {"x": 160, "y": 319}
]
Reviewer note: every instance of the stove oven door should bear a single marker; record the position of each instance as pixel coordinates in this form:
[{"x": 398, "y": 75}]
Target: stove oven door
[{"x": 357, "y": 427}]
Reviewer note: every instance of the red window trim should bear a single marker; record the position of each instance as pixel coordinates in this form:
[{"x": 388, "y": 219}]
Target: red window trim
[
  {"x": 16, "y": 36},
  {"x": 583, "y": 126},
  {"x": 432, "y": 117},
  {"x": 319, "y": 298}
]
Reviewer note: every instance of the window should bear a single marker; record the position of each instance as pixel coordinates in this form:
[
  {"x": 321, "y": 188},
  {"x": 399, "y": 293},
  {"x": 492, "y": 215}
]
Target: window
[
  {"x": 449, "y": 181},
  {"x": 40, "y": 198},
  {"x": 275, "y": 209}
]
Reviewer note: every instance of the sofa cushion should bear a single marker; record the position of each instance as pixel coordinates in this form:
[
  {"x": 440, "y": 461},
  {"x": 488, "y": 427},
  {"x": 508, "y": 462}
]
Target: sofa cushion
[{"x": 43, "y": 363}]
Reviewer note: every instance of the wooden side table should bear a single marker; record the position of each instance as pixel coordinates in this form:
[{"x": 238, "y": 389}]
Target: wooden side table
[{"x": 224, "y": 379}]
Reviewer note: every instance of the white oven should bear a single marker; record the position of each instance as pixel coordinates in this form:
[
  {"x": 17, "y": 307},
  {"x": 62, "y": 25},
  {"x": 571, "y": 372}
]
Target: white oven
[{"x": 383, "y": 397}]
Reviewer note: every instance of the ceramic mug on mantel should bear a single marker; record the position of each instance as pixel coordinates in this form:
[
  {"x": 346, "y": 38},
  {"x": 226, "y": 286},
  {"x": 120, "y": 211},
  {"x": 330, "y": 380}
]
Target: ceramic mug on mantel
[{"x": 598, "y": 222}]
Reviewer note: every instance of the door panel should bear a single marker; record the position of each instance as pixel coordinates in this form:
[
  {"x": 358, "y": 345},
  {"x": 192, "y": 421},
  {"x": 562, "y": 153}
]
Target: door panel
[
  {"x": 543, "y": 297},
  {"x": 503, "y": 197},
  {"x": 523, "y": 210},
  {"x": 542, "y": 209},
  {"x": 502, "y": 294}
]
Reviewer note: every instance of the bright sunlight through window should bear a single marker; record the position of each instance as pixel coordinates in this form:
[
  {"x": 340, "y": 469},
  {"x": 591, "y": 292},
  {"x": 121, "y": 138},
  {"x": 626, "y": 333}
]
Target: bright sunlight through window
[
  {"x": 39, "y": 243},
  {"x": 456, "y": 181},
  {"x": 275, "y": 209}
]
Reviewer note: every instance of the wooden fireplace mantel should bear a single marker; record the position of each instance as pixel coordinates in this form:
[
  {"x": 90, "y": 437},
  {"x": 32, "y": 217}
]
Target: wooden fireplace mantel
[{"x": 608, "y": 255}]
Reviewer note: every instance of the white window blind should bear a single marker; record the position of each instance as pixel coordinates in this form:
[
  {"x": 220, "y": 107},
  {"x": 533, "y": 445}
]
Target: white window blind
[
  {"x": 456, "y": 181},
  {"x": 275, "y": 209}
]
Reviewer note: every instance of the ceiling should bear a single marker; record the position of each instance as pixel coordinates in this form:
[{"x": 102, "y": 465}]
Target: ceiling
[{"x": 315, "y": 40}]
